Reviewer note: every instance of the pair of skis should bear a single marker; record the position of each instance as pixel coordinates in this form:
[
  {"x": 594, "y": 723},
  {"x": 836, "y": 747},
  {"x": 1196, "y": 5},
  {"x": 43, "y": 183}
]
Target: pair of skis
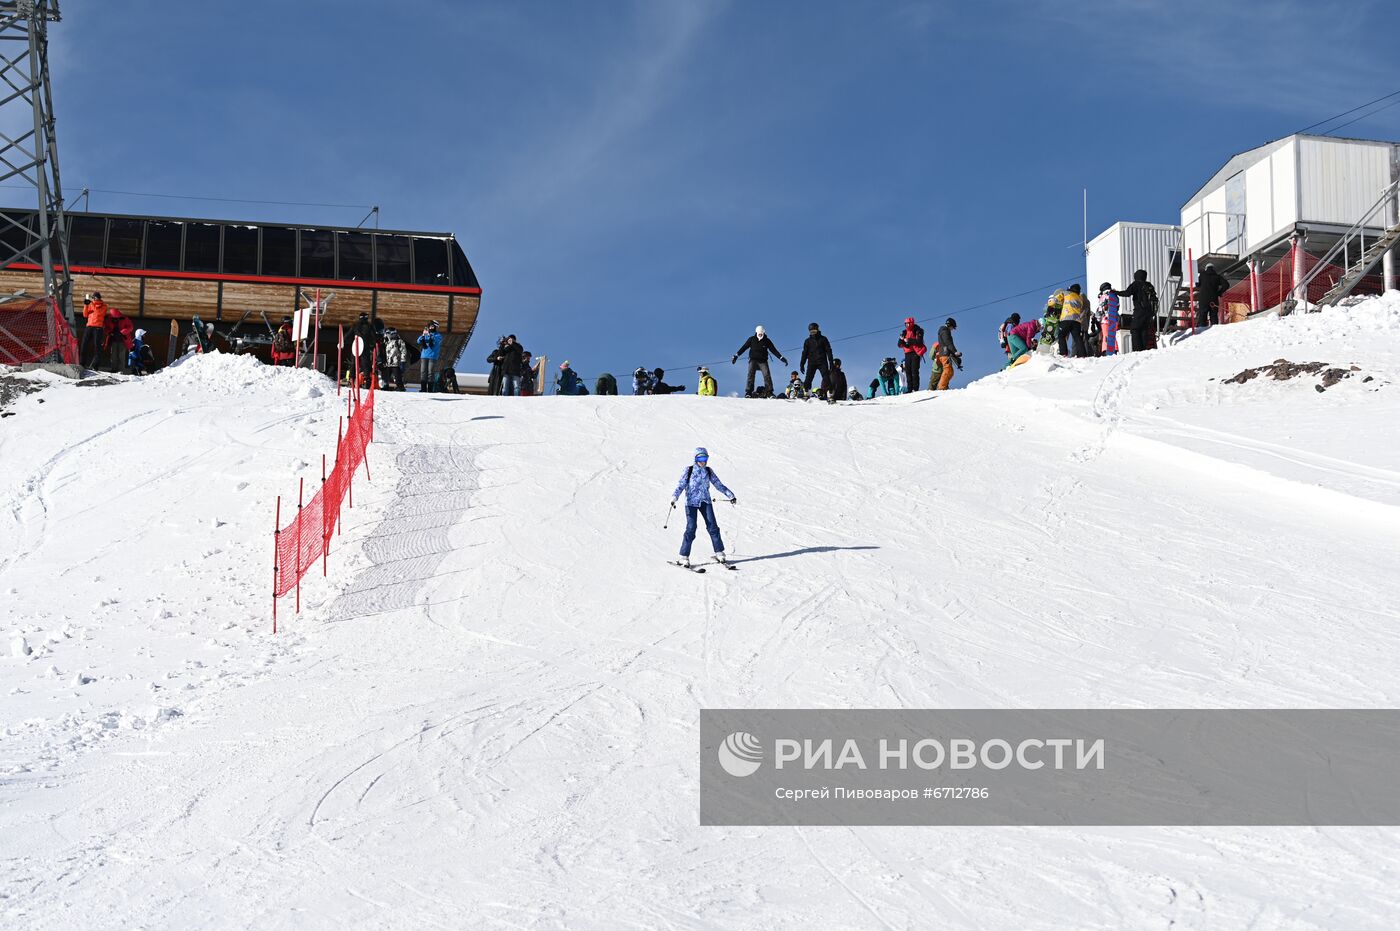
[{"x": 700, "y": 570}]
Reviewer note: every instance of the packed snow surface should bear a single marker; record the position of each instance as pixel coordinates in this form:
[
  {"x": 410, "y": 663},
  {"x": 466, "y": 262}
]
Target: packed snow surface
[{"x": 486, "y": 713}]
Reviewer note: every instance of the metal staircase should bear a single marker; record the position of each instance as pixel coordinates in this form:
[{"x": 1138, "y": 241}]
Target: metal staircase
[{"x": 1369, "y": 255}]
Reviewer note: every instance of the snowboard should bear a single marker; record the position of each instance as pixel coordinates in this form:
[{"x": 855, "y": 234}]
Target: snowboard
[{"x": 173, "y": 349}]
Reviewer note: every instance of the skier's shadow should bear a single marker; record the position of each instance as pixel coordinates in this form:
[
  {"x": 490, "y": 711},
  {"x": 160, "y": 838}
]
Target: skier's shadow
[{"x": 803, "y": 552}]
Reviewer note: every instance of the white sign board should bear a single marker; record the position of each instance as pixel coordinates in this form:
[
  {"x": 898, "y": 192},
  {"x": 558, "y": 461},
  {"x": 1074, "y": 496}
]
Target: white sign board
[
  {"x": 301, "y": 324},
  {"x": 358, "y": 346}
]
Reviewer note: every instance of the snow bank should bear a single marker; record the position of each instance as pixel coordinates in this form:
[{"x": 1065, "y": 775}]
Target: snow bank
[{"x": 487, "y": 713}]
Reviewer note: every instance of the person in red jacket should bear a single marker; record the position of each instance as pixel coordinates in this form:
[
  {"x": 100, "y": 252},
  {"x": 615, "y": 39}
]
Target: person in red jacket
[
  {"x": 117, "y": 327},
  {"x": 912, "y": 342},
  {"x": 284, "y": 348}
]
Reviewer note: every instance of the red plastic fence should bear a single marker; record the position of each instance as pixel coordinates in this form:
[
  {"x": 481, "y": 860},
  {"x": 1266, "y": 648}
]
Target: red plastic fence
[
  {"x": 1275, "y": 285},
  {"x": 35, "y": 331},
  {"x": 307, "y": 538}
]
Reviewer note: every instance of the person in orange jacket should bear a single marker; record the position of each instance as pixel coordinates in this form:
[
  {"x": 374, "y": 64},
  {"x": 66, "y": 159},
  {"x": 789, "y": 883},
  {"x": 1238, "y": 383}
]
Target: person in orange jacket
[{"x": 94, "y": 332}]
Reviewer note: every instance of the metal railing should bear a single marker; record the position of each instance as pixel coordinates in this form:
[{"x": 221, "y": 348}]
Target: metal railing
[{"x": 1342, "y": 248}]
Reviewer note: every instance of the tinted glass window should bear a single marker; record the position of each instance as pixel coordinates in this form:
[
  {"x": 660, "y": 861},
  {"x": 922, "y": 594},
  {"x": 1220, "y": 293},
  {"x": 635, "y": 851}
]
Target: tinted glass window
[
  {"x": 241, "y": 250},
  {"x": 124, "y": 243},
  {"x": 279, "y": 251},
  {"x": 163, "y": 241},
  {"x": 391, "y": 256},
  {"x": 86, "y": 236},
  {"x": 317, "y": 254},
  {"x": 430, "y": 261},
  {"x": 356, "y": 256},
  {"x": 202, "y": 247},
  {"x": 462, "y": 273},
  {"x": 16, "y": 232}
]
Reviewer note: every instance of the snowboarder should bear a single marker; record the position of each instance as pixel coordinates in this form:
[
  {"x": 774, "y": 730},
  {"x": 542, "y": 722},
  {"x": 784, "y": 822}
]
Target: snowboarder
[
  {"x": 795, "y": 390},
  {"x": 511, "y": 366},
  {"x": 140, "y": 359},
  {"x": 641, "y": 381},
  {"x": 816, "y": 357},
  {"x": 659, "y": 386},
  {"x": 605, "y": 385},
  {"x": 695, "y": 482},
  {"x": 708, "y": 386},
  {"x": 758, "y": 347},
  {"x": 567, "y": 382},
  {"x": 1140, "y": 320},
  {"x": 946, "y": 353},
  {"x": 494, "y": 359},
  {"x": 1209, "y": 287},
  {"x": 395, "y": 358},
  {"x": 429, "y": 344},
  {"x": 1073, "y": 312},
  {"x": 1107, "y": 315},
  {"x": 838, "y": 382},
  {"x": 284, "y": 348},
  {"x": 912, "y": 342},
  {"x": 854, "y": 396},
  {"x": 1004, "y": 331},
  {"x": 1021, "y": 341},
  {"x": 889, "y": 378}
]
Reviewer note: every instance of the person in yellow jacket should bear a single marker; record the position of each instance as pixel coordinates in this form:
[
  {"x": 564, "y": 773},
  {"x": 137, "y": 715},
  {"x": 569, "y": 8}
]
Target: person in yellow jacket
[
  {"x": 708, "y": 386},
  {"x": 1074, "y": 313}
]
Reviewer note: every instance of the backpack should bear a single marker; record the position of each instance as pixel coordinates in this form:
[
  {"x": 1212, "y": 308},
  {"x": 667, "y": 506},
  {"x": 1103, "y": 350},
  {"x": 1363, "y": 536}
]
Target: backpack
[
  {"x": 888, "y": 370},
  {"x": 281, "y": 342},
  {"x": 1150, "y": 293}
]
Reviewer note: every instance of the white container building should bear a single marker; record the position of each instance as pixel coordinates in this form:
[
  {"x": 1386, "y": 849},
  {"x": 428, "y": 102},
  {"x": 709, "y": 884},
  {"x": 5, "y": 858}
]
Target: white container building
[
  {"x": 1315, "y": 185},
  {"x": 1123, "y": 248}
]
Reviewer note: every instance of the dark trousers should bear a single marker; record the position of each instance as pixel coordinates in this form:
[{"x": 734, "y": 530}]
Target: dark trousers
[
  {"x": 754, "y": 369},
  {"x": 812, "y": 371},
  {"x": 94, "y": 335},
  {"x": 1140, "y": 336},
  {"x": 426, "y": 369},
  {"x": 1207, "y": 313},
  {"x": 1071, "y": 337},
  {"x": 911, "y": 371},
  {"x": 711, "y": 525}
]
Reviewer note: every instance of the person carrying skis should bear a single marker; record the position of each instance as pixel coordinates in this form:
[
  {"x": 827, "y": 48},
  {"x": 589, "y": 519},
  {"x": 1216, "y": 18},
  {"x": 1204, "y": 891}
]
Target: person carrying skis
[
  {"x": 889, "y": 378},
  {"x": 838, "y": 383},
  {"x": 912, "y": 342},
  {"x": 816, "y": 357},
  {"x": 758, "y": 347},
  {"x": 567, "y": 382},
  {"x": 1107, "y": 314},
  {"x": 695, "y": 482},
  {"x": 1073, "y": 312},
  {"x": 946, "y": 353},
  {"x": 429, "y": 344},
  {"x": 708, "y": 386}
]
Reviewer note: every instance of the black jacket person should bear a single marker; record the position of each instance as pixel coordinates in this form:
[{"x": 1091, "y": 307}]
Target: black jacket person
[
  {"x": 816, "y": 357},
  {"x": 758, "y": 347}
]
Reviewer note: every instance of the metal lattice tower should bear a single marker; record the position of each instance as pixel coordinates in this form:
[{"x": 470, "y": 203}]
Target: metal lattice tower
[{"x": 29, "y": 148}]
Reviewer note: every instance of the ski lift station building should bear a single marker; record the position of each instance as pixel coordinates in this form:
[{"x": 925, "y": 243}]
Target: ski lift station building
[
  {"x": 1316, "y": 186},
  {"x": 1123, "y": 248}
]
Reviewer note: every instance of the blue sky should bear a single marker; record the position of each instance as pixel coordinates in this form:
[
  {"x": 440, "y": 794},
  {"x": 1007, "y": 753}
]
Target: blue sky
[{"x": 639, "y": 183}]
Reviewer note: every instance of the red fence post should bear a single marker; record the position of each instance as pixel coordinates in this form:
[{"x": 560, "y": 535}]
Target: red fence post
[
  {"x": 301, "y": 484},
  {"x": 339, "y": 344},
  {"x": 276, "y": 539},
  {"x": 1191, "y": 288},
  {"x": 325, "y": 540}
]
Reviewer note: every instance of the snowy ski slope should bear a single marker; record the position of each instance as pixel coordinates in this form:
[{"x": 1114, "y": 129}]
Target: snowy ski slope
[{"x": 487, "y": 714}]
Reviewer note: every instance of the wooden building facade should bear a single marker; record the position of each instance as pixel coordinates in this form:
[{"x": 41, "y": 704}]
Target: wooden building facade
[{"x": 167, "y": 268}]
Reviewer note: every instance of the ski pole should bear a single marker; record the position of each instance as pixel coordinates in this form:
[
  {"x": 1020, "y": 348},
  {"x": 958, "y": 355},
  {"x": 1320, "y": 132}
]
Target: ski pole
[{"x": 669, "y": 512}]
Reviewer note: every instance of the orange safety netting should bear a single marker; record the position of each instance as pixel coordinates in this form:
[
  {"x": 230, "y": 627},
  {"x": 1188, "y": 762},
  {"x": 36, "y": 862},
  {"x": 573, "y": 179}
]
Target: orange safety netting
[
  {"x": 1275, "y": 285},
  {"x": 307, "y": 538},
  {"x": 35, "y": 331}
]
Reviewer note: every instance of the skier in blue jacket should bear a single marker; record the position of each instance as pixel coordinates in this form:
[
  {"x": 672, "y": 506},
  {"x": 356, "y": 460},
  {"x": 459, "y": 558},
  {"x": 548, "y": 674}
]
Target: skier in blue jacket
[{"x": 696, "y": 482}]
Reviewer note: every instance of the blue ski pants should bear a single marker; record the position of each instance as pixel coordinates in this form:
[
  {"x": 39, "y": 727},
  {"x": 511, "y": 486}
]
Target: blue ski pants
[{"x": 711, "y": 525}]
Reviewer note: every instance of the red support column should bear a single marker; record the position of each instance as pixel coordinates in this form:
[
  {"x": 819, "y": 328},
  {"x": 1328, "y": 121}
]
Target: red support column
[{"x": 1191, "y": 288}]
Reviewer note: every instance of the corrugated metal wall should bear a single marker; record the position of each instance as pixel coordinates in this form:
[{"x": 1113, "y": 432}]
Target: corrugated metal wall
[
  {"x": 1125, "y": 247},
  {"x": 1339, "y": 181}
]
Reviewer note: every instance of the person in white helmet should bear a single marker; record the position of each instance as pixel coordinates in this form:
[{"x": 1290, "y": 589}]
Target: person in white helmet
[{"x": 758, "y": 347}]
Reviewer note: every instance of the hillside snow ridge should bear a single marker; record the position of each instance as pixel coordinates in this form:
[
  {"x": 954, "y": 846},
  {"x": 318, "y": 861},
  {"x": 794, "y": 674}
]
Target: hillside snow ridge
[{"x": 487, "y": 711}]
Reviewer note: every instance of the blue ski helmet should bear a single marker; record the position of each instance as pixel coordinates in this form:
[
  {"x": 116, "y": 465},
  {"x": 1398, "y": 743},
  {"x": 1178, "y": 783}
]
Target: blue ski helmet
[{"x": 702, "y": 454}]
